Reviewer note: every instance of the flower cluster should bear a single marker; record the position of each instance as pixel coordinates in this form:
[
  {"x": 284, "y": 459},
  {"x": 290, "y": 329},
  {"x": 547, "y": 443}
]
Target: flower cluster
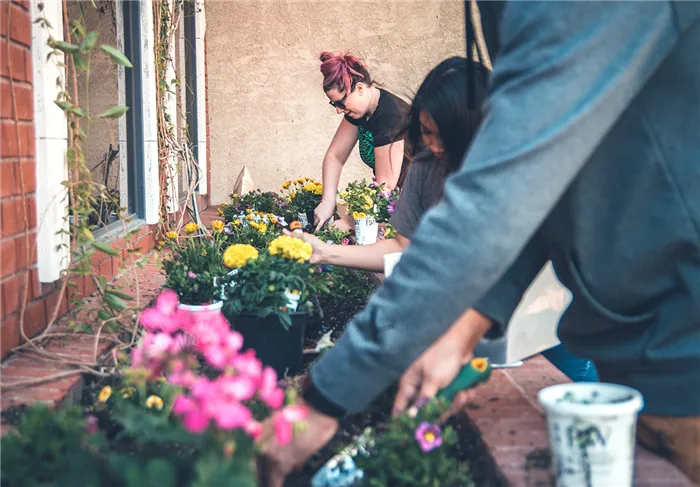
[
  {"x": 238, "y": 255},
  {"x": 370, "y": 200},
  {"x": 291, "y": 248},
  {"x": 224, "y": 402},
  {"x": 303, "y": 194}
]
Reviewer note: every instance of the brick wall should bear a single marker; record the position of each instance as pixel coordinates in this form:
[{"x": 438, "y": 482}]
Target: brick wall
[{"x": 16, "y": 161}]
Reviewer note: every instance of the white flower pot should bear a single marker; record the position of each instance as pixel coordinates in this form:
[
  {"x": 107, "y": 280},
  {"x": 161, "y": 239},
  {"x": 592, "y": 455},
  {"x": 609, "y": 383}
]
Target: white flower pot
[
  {"x": 200, "y": 308},
  {"x": 592, "y": 429},
  {"x": 303, "y": 220},
  {"x": 292, "y": 300},
  {"x": 366, "y": 230},
  {"x": 390, "y": 261}
]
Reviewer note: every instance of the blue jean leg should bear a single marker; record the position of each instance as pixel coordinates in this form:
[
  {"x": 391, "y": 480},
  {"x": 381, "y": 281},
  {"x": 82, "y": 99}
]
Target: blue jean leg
[{"x": 577, "y": 369}]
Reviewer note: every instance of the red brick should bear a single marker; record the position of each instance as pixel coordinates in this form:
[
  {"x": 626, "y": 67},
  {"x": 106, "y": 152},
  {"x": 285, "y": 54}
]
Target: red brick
[
  {"x": 35, "y": 285},
  {"x": 89, "y": 286},
  {"x": 10, "y": 148},
  {"x": 9, "y": 334},
  {"x": 106, "y": 269},
  {"x": 8, "y": 257},
  {"x": 3, "y": 20},
  {"x": 23, "y": 251},
  {"x": 26, "y": 169},
  {"x": 20, "y": 26},
  {"x": 24, "y": 100},
  {"x": 52, "y": 300},
  {"x": 28, "y": 65},
  {"x": 8, "y": 183},
  {"x": 11, "y": 292},
  {"x": 12, "y": 214},
  {"x": 35, "y": 318},
  {"x": 17, "y": 61}
]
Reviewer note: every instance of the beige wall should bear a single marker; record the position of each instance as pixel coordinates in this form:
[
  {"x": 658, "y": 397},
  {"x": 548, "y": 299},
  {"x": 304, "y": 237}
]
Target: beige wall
[{"x": 267, "y": 109}]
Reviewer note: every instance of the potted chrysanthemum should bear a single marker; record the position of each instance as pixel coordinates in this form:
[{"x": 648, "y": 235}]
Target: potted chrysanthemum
[
  {"x": 303, "y": 196},
  {"x": 360, "y": 199},
  {"x": 194, "y": 269},
  {"x": 269, "y": 299}
]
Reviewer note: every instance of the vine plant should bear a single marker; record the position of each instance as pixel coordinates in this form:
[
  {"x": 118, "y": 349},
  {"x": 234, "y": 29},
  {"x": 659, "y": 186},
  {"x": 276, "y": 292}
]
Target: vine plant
[{"x": 113, "y": 318}]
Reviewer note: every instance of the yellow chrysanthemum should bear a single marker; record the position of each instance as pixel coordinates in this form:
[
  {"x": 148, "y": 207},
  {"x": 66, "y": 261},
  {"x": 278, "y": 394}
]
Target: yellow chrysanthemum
[
  {"x": 250, "y": 217},
  {"x": 291, "y": 196},
  {"x": 238, "y": 255},
  {"x": 262, "y": 228},
  {"x": 249, "y": 211},
  {"x": 236, "y": 222},
  {"x": 220, "y": 211},
  {"x": 309, "y": 179},
  {"x": 273, "y": 219},
  {"x": 217, "y": 226},
  {"x": 291, "y": 248},
  {"x": 105, "y": 394},
  {"x": 204, "y": 253},
  {"x": 300, "y": 181},
  {"x": 286, "y": 184},
  {"x": 154, "y": 401},
  {"x": 171, "y": 235},
  {"x": 191, "y": 227}
]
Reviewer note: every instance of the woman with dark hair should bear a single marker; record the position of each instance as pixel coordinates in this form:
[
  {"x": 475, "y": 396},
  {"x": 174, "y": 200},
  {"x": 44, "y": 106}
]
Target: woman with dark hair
[
  {"x": 440, "y": 127},
  {"x": 373, "y": 117}
]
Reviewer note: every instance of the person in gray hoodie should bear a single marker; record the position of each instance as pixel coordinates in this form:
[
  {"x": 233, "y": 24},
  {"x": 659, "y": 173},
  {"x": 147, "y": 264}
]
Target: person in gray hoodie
[{"x": 589, "y": 156}]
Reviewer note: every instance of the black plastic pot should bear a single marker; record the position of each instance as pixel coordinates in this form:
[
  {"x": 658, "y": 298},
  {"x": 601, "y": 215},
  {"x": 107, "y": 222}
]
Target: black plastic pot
[{"x": 281, "y": 349}]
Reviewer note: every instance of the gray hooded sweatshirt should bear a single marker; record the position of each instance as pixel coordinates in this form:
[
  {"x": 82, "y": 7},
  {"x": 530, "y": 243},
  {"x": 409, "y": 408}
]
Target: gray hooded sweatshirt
[{"x": 588, "y": 155}]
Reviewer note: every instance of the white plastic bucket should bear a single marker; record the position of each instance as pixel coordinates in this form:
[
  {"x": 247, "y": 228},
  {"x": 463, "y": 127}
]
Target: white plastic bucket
[
  {"x": 303, "y": 219},
  {"x": 592, "y": 430},
  {"x": 199, "y": 308},
  {"x": 390, "y": 261},
  {"x": 366, "y": 230}
]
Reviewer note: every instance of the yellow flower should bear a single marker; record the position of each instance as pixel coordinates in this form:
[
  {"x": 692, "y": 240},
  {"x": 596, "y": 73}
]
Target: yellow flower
[
  {"x": 368, "y": 200},
  {"x": 250, "y": 217},
  {"x": 236, "y": 222},
  {"x": 300, "y": 181},
  {"x": 262, "y": 228},
  {"x": 273, "y": 219},
  {"x": 204, "y": 253},
  {"x": 154, "y": 402},
  {"x": 309, "y": 179},
  {"x": 480, "y": 364},
  {"x": 296, "y": 291},
  {"x": 249, "y": 210},
  {"x": 105, "y": 394},
  {"x": 291, "y": 248},
  {"x": 127, "y": 392},
  {"x": 171, "y": 235},
  {"x": 191, "y": 227},
  {"x": 286, "y": 184},
  {"x": 357, "y": 215},
  {"x": 217, "y": 226},
  {"x": 229, "y": 448},
  {"x": 292, "y": 195},
  {"x": 367, "y": 206},
  {"x": 238, "y": 255},
  {"x": 220, "y": 211}
]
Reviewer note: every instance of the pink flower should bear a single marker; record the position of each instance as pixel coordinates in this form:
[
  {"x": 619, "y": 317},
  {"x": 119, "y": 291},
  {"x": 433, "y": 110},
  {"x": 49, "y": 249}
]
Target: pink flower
[
  {"x": 248, "y": 364},
  {"x": 268, "y": 391},
  {"x": 294, "y": 413},
  {"x": 234, "y": 341},
  {"x": 253, "y": 428},
  {"x": 346, "y": 241},
  {"x": 165, "y": 316},
  {"x": 191, "y": 275},
  {"x": 196, "y": 422},
  {"x": 232, "y": 415},
  {"x": 158, "y": 345},
  {"x": 91, "y": 426},
  {"x": 428, "y": 436},
  {"x": 284, "y": 423},
  {"x": 239, "y": 388},
  {"x": 183, "y": 405}
]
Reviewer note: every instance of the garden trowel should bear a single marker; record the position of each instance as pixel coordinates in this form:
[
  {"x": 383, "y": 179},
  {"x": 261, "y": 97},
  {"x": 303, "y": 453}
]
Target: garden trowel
[{"x": 341, "y": 471}]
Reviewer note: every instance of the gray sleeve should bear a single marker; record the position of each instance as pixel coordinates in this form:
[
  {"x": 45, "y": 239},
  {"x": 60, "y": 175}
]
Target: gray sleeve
[
  {"x": 410, "y": 207},
  {"x": 565, "y": 73}
]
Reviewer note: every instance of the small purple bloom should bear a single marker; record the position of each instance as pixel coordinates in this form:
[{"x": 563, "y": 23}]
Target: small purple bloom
[
  {"x": 391, "y": 207},
  {"x": 92, "y": 425},
  {"x": 428, "y": 436},
  {"x": 345, "y": 241},
  {"x": 191, "y": 275}
]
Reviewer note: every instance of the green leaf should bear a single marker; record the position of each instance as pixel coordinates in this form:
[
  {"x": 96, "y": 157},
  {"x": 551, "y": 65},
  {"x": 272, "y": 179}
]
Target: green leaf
[
  {"x": 114, "y": 112},
  {"x": 89, "y": 41},
  {"x": 78, "y": 111},
  {"x": 103, "y": 315},
  {"x": 116, "y": 55},
  {"x": 105, "y": 248},
  {"x": 66, "y": 47},
  {"x": 119, "y": 295},
  {"x": 114, "y": 302},
  {"x": 64, "y": 105},
  {"x": 80, "y": 62}
]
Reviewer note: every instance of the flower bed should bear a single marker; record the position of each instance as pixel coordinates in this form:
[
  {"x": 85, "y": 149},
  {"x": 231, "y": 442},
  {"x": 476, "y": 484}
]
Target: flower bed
[{"x": 187, "y": 403}]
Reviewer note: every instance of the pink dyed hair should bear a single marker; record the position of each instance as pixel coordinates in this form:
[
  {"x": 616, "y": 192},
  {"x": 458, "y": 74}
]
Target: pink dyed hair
[{"x": 342, "y": 72}]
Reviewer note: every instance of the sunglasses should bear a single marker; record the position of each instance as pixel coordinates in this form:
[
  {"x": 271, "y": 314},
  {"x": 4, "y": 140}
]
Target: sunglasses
[{"x": 340, "y": 103}]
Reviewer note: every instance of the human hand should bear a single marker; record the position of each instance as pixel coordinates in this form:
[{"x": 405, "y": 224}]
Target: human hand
[
  {"x": 322, "y": 213},
  {"x": 319, "y": 246},
  {"x": 440, "y": 364},
  {"x": 277, "y": 461}
]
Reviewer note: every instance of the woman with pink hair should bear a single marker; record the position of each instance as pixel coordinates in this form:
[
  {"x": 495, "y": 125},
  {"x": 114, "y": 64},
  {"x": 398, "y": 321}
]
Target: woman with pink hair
[{"x": 372, "y": 116}]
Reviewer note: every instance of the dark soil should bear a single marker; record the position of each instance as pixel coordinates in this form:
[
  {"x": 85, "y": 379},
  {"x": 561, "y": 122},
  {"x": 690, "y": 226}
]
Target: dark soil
[{"x": 12, "y": 415}]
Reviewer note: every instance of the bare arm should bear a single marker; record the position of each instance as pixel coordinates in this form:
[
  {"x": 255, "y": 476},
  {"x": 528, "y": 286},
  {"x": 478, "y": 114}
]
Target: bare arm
[
  {"x": 388, "y": 160},
  {"x": 336, "y": 156}
]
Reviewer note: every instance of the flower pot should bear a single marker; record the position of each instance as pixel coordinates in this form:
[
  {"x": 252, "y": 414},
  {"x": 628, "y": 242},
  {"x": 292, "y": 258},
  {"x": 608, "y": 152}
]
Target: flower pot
[
  {"x": 592, "y": 429},
  {"x": 281, "y": 349},
  {"x": 303, "y": 219},
  {"x": 200, "y": 308},
  {"x": 366, "y": 230}
]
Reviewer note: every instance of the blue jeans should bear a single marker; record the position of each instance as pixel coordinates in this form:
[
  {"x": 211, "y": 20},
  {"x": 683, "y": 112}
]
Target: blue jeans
[{"x": 577, "y": 369}]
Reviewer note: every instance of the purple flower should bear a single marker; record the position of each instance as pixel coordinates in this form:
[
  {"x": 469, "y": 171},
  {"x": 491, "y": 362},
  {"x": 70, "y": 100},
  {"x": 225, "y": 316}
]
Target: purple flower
[
  {"x": 391, "y": 207},
  {"x": 428, "y": 436},
  {"x": 91, "y": 426},
  {"x": 191, "y": 275},
  {"x": 228, "y": 229}
]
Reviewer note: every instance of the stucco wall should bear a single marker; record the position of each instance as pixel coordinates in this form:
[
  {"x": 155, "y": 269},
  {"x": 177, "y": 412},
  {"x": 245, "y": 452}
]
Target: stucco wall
[{"x": 267, "y": 108}]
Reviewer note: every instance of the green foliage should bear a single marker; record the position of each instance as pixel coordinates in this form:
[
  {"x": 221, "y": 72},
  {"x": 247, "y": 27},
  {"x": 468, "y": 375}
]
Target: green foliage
[
  {"x": 302, "y": 195},
  {"x": 266, "y": 202},
  {"x": 195, "y": 269},
  {"x": 397, "y": 458},
  {"x": 349, "y": 284},
  {"x": 254, "y": 229},
  {"x": 333, "y": 234},
  {"x": 264, "y": 286}
]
